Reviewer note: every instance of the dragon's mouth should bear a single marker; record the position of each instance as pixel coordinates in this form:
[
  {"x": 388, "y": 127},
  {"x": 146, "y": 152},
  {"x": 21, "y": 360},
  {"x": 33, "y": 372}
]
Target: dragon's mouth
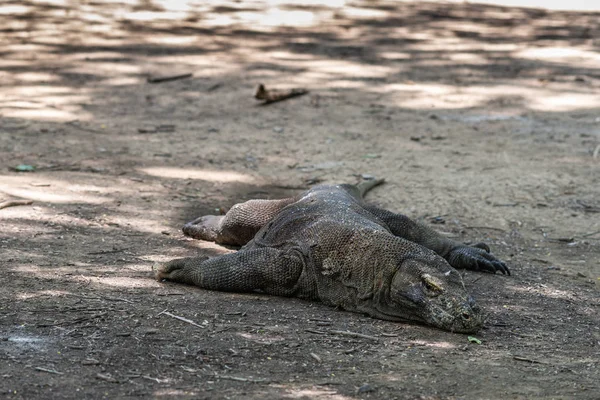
[{"x": 463, "y": 318}]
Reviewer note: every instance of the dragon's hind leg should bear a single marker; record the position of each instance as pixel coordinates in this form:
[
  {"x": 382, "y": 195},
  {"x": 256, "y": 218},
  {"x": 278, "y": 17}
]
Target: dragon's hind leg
[{"x": 239, "y": 225}]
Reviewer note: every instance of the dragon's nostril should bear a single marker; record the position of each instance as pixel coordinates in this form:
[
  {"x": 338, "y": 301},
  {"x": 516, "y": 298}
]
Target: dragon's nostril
[{"x": 466, "y": 316}]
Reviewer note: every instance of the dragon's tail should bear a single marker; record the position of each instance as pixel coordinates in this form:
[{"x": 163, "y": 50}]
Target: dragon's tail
[{"x": 367, "y": 185}]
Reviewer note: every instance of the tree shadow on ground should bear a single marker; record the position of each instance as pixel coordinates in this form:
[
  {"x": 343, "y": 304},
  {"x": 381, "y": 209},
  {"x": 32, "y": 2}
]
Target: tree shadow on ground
[{"x": 422, "y": 87}]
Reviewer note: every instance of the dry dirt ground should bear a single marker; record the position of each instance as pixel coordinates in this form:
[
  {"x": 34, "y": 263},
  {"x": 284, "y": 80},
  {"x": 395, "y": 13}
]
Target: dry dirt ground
[{"x": 484, "y": 120}]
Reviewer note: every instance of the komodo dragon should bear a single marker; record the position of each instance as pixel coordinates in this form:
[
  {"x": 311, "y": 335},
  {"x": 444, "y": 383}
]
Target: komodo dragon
[{"x": 326, "y": 244}]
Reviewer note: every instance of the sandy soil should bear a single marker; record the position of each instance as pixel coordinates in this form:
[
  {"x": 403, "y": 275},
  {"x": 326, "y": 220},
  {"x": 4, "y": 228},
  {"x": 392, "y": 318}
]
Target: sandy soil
[{"x": 484, "y": 120}]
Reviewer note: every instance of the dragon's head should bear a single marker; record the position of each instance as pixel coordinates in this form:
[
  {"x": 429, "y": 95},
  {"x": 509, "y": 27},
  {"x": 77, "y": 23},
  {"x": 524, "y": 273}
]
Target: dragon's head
[{"x": 425, "y": 288}]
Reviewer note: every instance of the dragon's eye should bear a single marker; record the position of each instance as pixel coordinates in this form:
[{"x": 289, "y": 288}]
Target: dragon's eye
[{"x": 431, "y": 283}]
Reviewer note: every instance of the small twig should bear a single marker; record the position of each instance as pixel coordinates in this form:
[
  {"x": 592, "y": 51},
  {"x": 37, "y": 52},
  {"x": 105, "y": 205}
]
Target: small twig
[
  {"x": 73, "y": 322},
  {"x": 541, "y": 260},
  {"x": 271, "y": 96},
  {"x": 519, "y": 358},
  {"x": 590, "y": 234},
  {"x": 477, "y": 279},
  {"x": 108, "y": 251},
  {"x": 239, "y": 379},
  {"x": 354, "y": 334},
  {"x": 168, "y": 78},
  {"x": 315, "y": 331},
  {"x": 51, "y": 371},
  {"x": 187, "y": 321},
  {"x": 596, "y": 152},
  {"x": 316, "y": 357},
  {"x": 117, "y": 299},
  {"x": 14, "y": 203},
  {"x": 214, "y": 87},
  {"x": 561, "y": 240},
  {"x": 153, "y": 379},
  {"x": 101, "y": 298}
]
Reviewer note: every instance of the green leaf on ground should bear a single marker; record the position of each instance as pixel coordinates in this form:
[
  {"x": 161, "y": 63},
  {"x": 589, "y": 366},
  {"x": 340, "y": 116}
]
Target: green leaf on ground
[
  {"x": 473, "y": 339},
  {"x": 24, "y": 168}
]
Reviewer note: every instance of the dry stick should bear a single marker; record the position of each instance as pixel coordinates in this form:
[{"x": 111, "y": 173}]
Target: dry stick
[
  {"x": 239, "y": 379},
  {"x": 354, "y": 334},
  {"x": 519, "y": 358},
  {"x": 101, "y": 298},
  {"x": 153, "y": 379},
  {"x": 106, "y": 377},
  {"x": 272, "y": 96},
  {"x": 52, "y": 371},
  {"x": 168, "y": 78},
  {"x": 315, "y": 331},
  {"x": 188, "y": 321},
  {"x": 13, "y": 203},
  {"x": 590, "y": 234},
  {"x": 108, "y": 251},
  {"x": 316, "y": 357},
  {"x": 596, "y": 152}
]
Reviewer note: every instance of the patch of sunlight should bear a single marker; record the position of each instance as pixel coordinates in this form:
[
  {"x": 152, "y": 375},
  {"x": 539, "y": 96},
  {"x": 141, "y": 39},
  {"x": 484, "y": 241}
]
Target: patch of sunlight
[
  {"x": 151, "y": 15},
  {"x": 54, "y": 193},
  {"x": 355, "y": 12},
  {"x": 426, "y": 95},
  {"x": 31, "y": 342},
  {"x": 287, "y": 55},
  {"x": 126, "y": 282},
  {"x": 345, "y": 84},
  {"x": 37, "y": 91},
  {"x": 348, "y": 69},
  {"x": 97, "y": 55},
  {"x": 580, "y": 58},
  {"x": 41, "y": 293},
  {"x": 564, "y": 102},
  {"x": 312, "y": 393},
  {"x": 139, "y": 224},
  {"x": 172, "y": 5},
  {"x": 395, "y": 55},
  {"x": 13, "y": 9},
  {"x": 546, "y": 291},
  {"x": 307, "y": 3},
  {"x": 200, "y": 174},
  {"x": 122, "y": 81},
  {"x": 278, "y": 17},
  {"x": 108, "y": 68},
  {"x": 424, "y": 88},
  {"x": 173, "y": 40},
  {"x": 572, "y": 5},
  {"x": 470, "y": 58},
  {"x": 439, "y": 345},
  {"x": 40, "y": 195},
  {"x": 49, "y": 103},
  {"x": 35, "y": 77}
]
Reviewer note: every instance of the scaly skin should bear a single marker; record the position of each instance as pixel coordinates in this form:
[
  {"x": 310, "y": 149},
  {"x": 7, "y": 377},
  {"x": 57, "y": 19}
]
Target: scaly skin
[{"x": 327, "y": 245}]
